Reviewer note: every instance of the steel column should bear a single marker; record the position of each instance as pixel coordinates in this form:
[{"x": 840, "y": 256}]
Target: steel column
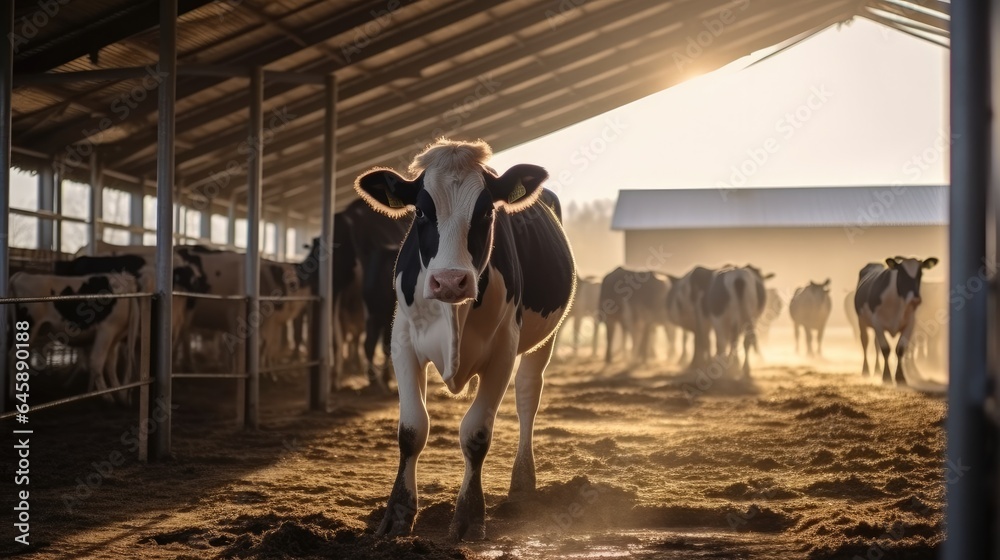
[
  {"x": 206, "y": 224},
  {"x": 136, "y": 216},
  {"x": 94, "y": 232},
  {"x": 254, "y": 178},
  {"x": 167, "y": 67},
  {"x": 231, "y": 226},
  {"x": 6, "y": 87},
  {"x": 57, "y": 206},
  {"x": 280, "y": 234},
  {"x": 320, "y": 379},
  {"x": 966, "y": 467},
  {"x": 46, "y": 202}
]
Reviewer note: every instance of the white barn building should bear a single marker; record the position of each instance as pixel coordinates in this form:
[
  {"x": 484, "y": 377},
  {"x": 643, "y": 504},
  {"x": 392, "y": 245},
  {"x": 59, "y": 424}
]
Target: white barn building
[{"x": 799, "y": 233}]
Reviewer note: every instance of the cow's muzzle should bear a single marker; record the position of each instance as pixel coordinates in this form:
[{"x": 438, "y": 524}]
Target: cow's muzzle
[{"x": 451, "y": 285}]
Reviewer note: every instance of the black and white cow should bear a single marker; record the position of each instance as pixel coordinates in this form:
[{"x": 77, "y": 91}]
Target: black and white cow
[
  {"x": 733, "y": 303},
  {"x": 685, "y": 309},
  {"x": 484, "y": 275},
  {"x": 852, "y": 319},
  {"x": 99, "y": 325},
  {"x": 377, "y": 240},
  {"x": 585, "y": 306},
  {"x": 886, "y": 301},
  {"x": 635, "y": 300},
  {"x": 347, "y": 302},
  {"x": 188, "y": 276},
  {"x": 810, "y": 309}
]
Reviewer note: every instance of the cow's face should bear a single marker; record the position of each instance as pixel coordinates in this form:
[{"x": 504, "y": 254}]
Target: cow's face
[
  {"x": 454, "y": 209},
  {"x": 908, "y": 275}
]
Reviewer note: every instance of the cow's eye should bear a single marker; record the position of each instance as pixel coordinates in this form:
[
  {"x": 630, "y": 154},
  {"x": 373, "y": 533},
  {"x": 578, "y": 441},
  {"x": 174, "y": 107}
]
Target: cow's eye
[
  {"x": 419, "y": 213},
  {"x": 488, "y": 214}
]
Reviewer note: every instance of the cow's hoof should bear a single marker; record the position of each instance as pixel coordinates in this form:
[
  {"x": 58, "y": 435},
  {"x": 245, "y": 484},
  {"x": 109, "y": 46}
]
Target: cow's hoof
[
  {"x": 400, "y": 513},
  {"x": 901, "y": 381},
  {"x": 388, "y": 528},
  {"x": 465, "y": 529},
  {"x": 395, "y": 525}
]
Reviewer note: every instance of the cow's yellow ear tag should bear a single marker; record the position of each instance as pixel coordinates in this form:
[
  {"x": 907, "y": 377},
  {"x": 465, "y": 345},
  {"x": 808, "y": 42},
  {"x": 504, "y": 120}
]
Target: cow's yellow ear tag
[
  {"x": 517, "y": 193},
  {"x": 393, "y": 201}
]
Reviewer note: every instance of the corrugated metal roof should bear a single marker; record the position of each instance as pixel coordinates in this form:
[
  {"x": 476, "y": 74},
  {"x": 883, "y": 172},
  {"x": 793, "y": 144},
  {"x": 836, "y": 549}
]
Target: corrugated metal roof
[
  {"x": 914, "y": 205},
  {"x": 407, "y": 70}
]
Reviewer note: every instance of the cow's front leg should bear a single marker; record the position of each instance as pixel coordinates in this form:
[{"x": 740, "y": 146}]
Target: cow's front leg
[
  {"x": 883, "y": 348},
  {"x": 528, "y": 392},
  {"x": 414, "y": 425},
  {"x": 901, "y": 353},
  {"x": 476, "y": 434}
]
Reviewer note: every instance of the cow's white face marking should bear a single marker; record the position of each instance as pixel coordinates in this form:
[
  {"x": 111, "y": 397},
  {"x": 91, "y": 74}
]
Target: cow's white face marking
[{"x": 454, "y": 194}]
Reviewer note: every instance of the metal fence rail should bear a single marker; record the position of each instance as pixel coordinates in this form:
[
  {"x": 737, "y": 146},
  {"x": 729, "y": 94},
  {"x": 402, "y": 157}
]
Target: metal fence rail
[{"x": 143, "y": 384}]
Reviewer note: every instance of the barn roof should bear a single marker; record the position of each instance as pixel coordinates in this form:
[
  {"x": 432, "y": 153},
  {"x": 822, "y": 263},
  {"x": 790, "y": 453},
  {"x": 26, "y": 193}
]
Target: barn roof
[
  {"x": 507, "y": 71},
  {"x": 780, "y": 207}
]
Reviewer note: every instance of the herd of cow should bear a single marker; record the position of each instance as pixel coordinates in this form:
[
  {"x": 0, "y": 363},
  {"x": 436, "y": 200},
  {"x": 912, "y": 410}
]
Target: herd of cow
[
  {"x": 734, "y": 305},
  {"x": 105, "y": 328},
  {"x": 460, "y": 267}
]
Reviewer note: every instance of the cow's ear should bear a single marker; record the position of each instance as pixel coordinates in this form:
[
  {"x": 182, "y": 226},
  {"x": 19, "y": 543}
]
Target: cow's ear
[
  {"x": 518, "y": 188},
  {"x": 768, "y": 276},
  {"x": 826, "y": 283},
  {"x": 891, "y": 262},
  {"x": 929, "y": 263},
  {"x": 386, "y": 192},
  {"x": 674, "y": 279}
]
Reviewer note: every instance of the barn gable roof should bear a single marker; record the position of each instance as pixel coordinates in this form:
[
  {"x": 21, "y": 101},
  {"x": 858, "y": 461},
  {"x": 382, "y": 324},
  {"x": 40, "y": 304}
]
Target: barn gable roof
[{"x": 776, "y": 207}]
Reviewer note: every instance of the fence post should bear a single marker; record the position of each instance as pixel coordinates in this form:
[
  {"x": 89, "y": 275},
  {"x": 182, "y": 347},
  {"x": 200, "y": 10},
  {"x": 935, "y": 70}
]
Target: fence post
[{"x": 162, "y": 343}]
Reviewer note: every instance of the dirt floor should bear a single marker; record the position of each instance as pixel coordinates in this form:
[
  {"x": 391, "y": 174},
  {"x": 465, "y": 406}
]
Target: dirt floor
[{"x": 806, "y": 460}]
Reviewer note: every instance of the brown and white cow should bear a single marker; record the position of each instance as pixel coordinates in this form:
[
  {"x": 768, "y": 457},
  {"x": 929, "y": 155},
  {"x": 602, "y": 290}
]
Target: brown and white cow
[
  {"x": 485, "y": 275},
  {"x": 810, "y": 309},
  {"x": 886, "y": 300},
  {"x": 99, "y": 325}
]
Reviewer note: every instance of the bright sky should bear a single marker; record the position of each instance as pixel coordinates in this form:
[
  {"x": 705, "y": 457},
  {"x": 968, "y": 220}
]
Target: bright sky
[{"x": 878, "y": 100}]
